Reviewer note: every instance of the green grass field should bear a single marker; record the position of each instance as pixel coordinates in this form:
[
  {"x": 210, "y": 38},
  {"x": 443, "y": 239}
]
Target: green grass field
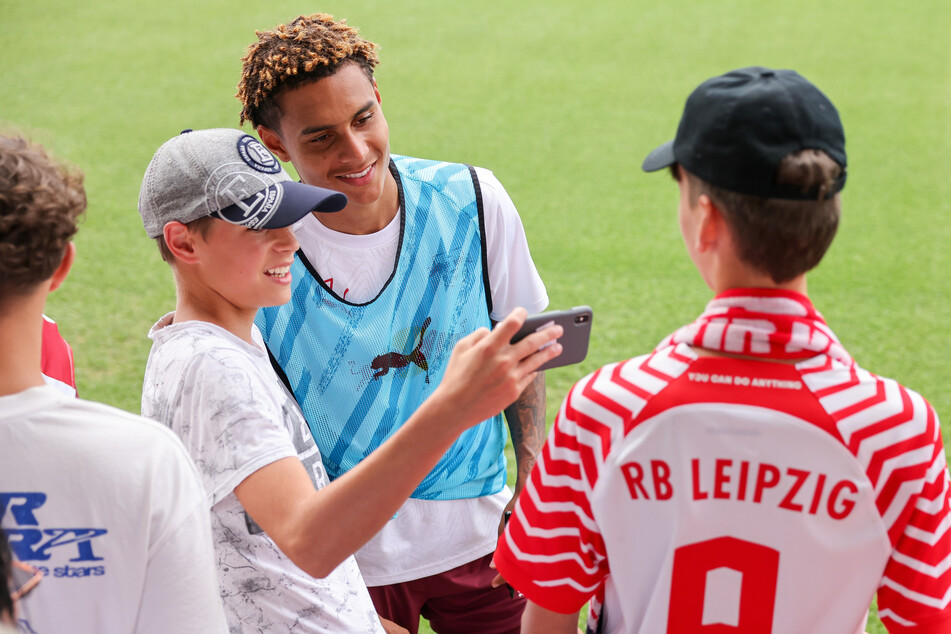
[{"x": 562, "y": 101}]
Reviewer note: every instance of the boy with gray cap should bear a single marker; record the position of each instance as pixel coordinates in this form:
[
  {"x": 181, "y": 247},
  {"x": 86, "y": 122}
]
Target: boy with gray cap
[
  {"x": 220, "y": 207},
  {"x": 747, "y": 475}
]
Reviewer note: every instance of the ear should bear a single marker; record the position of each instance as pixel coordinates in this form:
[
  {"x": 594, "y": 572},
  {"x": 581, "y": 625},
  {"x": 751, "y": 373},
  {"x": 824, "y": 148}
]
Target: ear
[
  {"x": 376, "y": 91},
  {"x": 59, "y": 275},
  {"x": 181, "y": 242},
  {"x": 711, "y": 226},
  {"x": 272, "y": 141}
]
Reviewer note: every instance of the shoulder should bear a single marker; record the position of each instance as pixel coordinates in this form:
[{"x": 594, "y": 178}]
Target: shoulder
[
  {"x": 453, "y": 180},
  {"x": 501, "y": 216},
  {"x": 489, "y": 182},
  {"x": 862, "y": 402},
  {"x": 193, "y": 345},
  {"x": 615, "y": 394},
  {"x": 199, "y": 368},
  {"x": 139, "y": 439},
  {"x": 644, "y": 375}
]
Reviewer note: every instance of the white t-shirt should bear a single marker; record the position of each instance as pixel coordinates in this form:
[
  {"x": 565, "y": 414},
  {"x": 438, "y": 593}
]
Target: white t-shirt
[
  {"x": 427, "y": 537},
  {"x": 221, "y": 396},
  {"x": 110, "y": 507}
]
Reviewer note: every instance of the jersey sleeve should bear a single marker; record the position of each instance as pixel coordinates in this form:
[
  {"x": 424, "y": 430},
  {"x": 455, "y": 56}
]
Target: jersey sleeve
[
  {"x": 552, "y": 550},
  {"x": 915, "y": 591},
  {"x": 513, "y": 278}
]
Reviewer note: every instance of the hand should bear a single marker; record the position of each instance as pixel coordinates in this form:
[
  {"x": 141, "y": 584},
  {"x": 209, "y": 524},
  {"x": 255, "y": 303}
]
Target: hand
[
  {"x": 506, "y": 514},
  {"x": 499, "y": 579},
  {"x": 486, "y": 373},
  {"x": 392, "y": 628}
]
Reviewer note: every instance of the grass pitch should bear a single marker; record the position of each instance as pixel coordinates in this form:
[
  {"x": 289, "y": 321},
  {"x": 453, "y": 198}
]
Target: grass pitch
[{"x": 562, "y": 101}]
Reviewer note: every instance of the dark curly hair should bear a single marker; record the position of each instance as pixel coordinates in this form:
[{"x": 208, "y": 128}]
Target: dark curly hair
[
  {"x": 307, "y": 49},
  {"x": 41, "y": 201}
]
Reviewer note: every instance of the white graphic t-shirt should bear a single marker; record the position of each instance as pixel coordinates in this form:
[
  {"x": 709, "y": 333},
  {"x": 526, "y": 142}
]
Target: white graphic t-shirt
[{"x": 221, "y": 396}]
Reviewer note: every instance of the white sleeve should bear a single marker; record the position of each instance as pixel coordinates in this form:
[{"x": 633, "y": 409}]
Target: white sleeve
[
  {"x": 513, "y": 279},
  {"x": 180, "y": 591}
]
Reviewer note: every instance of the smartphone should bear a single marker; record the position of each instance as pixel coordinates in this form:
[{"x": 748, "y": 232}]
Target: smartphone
[{"x": 576, "y": 323}]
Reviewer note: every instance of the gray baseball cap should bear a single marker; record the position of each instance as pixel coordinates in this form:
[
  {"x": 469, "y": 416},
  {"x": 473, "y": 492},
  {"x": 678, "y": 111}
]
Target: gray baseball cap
[{"x": 229, "y": 175}]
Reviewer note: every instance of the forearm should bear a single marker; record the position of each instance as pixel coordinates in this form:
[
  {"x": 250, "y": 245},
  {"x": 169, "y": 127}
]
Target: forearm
[
  {"x": 537, "y": 619},
  {"x": 366, "y": 497},
  {"x": 526, "y": 422},
  {"x": 354, "y": 507},
  {"x": 319, "y": 529}
]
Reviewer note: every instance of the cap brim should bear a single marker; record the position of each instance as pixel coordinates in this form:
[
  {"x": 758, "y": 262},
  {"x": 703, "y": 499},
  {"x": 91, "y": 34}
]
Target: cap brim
[
  {"x": 302, "y": 199},
  {"x": 660, "y": 158},
  {"x": 296, "y": 200}
]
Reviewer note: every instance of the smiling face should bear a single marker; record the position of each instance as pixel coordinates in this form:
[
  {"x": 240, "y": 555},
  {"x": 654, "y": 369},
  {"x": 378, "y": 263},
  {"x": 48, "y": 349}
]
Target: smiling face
[
  {"x": 245, "y": 269},
  {"x": 334, "y": 132}
]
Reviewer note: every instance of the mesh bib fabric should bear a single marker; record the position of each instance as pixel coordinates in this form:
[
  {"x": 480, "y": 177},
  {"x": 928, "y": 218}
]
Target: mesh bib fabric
[{"x": 360, "y": 370}]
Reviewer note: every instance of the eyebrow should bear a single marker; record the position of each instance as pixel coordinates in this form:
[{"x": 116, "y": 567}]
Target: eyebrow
[{"x": 321, "y": 128}]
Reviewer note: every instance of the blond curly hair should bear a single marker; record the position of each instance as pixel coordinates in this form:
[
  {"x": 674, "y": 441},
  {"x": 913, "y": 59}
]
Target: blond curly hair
[{"x": 307, "y": 49}]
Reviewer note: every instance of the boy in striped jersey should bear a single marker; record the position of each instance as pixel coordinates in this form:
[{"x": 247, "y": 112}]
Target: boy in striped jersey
[{"x": 747, "y": 475}]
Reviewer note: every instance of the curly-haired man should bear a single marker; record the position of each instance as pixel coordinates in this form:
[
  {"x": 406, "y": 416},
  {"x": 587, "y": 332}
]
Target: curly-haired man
[
  {"x": 424, "y": 253},
  {"x": 107, "y": 505}
]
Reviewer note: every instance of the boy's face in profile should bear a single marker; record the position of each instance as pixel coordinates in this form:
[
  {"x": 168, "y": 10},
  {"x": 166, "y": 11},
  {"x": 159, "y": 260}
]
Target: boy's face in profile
[
  {"x": 334, "y": 132},
  {"x": 245, "y": 268}
]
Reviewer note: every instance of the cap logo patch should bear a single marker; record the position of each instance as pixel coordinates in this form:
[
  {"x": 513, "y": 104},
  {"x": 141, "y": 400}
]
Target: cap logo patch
[
  {"x": 242, "y": 198},
  {"x": 257, "y": 156}
]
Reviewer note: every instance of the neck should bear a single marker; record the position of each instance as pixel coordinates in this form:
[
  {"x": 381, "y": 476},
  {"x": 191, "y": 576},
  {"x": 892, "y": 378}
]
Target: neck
[
  {"x": 797, "y": 284},
  {"x": 21, "y": 337},
  {"x": 210, "y": 307},
  {"x": 357, "y": 219},
  {"x": 728, "y": 272}
]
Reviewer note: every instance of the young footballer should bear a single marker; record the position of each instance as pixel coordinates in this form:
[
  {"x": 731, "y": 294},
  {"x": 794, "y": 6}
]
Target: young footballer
[
  {"x": 106, "y": 505},
  {"x": 424, "y": 253},
  {"x": 747, "y": 475},
  {"x": 220, "y": 206}
]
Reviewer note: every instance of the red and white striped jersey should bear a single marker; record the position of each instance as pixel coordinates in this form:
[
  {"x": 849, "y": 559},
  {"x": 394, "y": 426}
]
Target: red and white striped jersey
[{"x": 774, "y": 491}]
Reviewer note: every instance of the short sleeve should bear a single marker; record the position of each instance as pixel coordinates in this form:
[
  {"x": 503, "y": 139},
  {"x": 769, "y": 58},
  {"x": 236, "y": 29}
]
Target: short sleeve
[
  {"x": 513, "y": 278},
  {"x": 182, "y": 570},
  {"x": 915, "y": 592},
  {"x": 552, "y": 550}
]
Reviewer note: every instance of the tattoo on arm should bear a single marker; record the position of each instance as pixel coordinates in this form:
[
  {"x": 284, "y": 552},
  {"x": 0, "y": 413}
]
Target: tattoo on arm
[{"x": 526, "y": 421}]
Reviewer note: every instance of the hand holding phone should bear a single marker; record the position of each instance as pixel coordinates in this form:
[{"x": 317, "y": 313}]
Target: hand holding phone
[{"x": 576, "y": 323}]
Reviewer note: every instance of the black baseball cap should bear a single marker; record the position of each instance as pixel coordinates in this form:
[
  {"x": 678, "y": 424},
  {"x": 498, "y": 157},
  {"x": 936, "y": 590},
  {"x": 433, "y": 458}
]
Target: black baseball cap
[{"x": 738, "y": 127}]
